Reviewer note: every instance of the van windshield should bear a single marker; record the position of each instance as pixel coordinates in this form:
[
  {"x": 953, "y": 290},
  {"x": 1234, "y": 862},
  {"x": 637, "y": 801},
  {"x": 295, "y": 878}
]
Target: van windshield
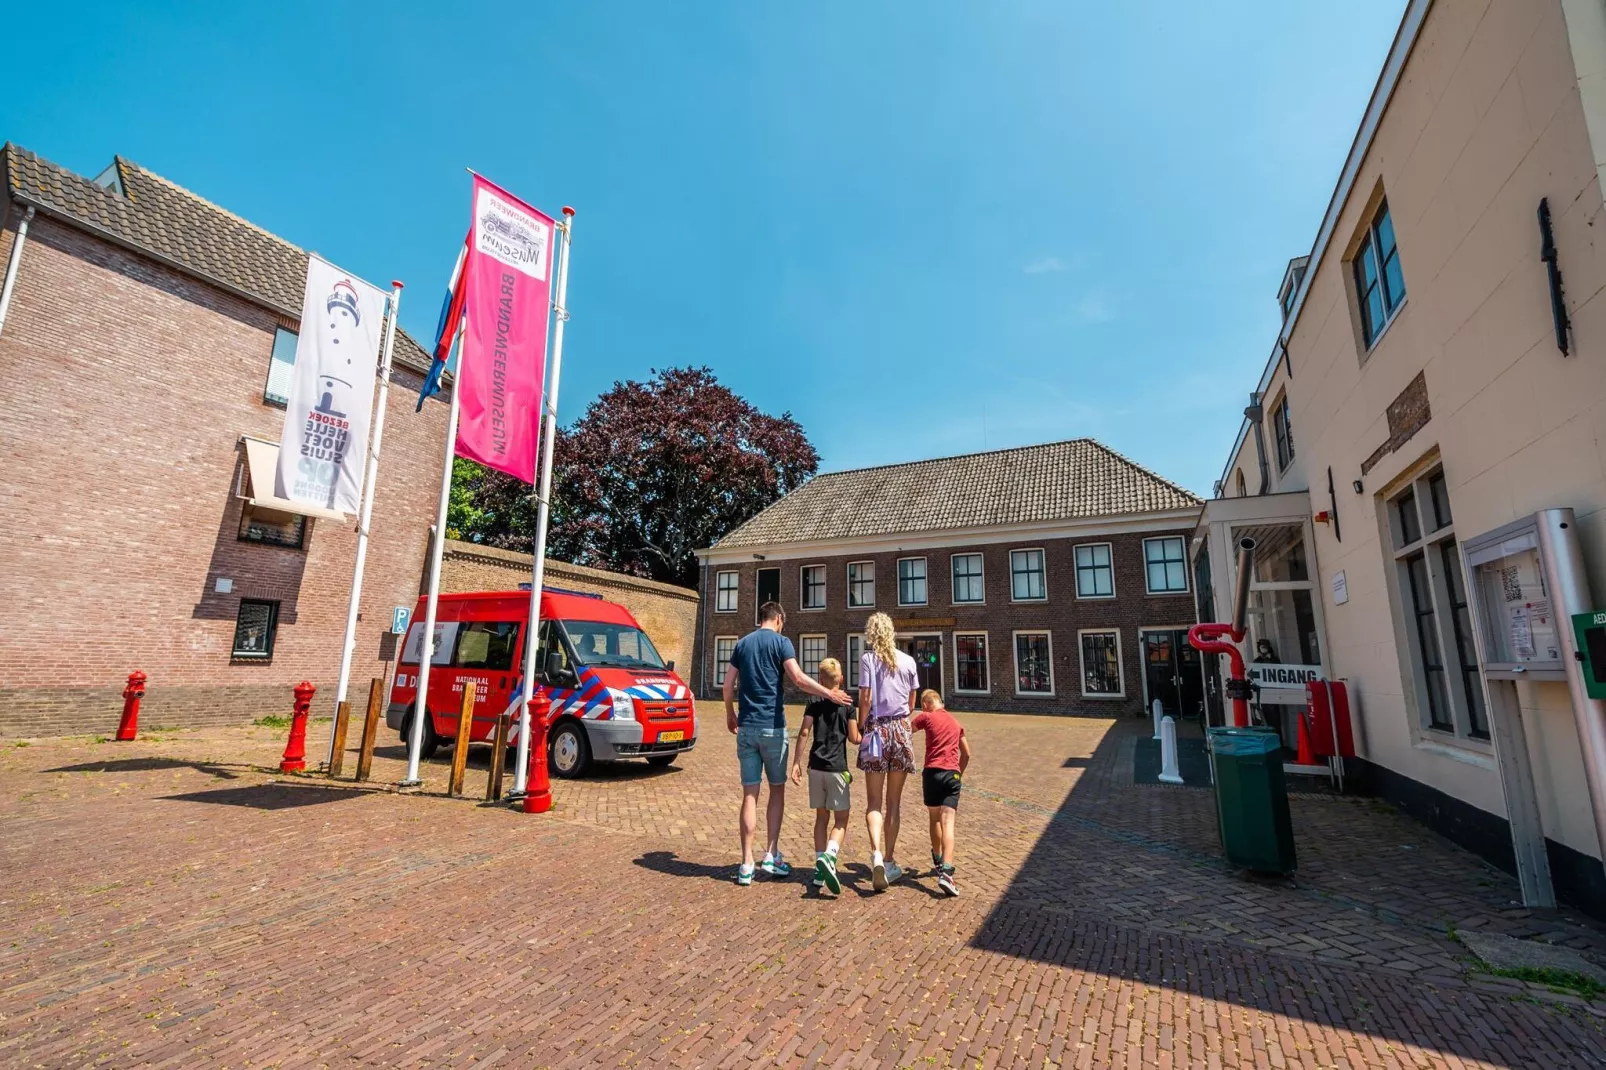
[{"x": 616, "y": 646}]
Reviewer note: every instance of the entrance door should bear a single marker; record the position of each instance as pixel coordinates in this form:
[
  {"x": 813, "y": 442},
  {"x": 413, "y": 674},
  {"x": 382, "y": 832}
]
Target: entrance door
[
  {"x": 927, "y": 652},
  {"x": 1171, "y": 670}
]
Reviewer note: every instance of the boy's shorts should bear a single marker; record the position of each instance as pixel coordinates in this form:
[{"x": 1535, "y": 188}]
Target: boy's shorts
[
  {"x": 941, "y": 787},
  {"x": 828, "y": 791},
  {"x": 762, "y": 752}
]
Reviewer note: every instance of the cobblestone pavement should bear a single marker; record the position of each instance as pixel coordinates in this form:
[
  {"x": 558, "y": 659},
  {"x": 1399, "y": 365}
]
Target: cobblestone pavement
[{"x": 174, "y": 902}]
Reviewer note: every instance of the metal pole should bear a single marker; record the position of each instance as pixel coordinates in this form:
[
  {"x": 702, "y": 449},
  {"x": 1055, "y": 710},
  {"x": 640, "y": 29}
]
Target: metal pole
[
  {"x": 543, "y": 508},
  {"x": 14, "y": 264},
  {"x": 415, "y": 738},
  {"x": 365, "y": 514}
]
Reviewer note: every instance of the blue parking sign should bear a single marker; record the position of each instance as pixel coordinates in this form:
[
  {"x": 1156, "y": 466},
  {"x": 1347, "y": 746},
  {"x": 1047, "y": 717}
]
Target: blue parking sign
[{"x": 398, "y": 620}]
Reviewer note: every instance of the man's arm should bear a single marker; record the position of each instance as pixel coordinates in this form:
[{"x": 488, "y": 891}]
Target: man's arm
[
  {"x": 964, "y": 754},
  {"x": 801, "y": 681},
  {"x": 730, "y": 698},
  {"x": 797, "y": 750}
]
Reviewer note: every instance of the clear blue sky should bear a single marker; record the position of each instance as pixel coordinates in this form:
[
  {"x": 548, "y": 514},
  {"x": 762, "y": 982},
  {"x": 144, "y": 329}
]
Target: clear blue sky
[{"x": 922, "y": 228}]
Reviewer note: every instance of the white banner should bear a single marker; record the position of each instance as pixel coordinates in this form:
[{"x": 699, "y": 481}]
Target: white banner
[{"x": 325, "y": 439}]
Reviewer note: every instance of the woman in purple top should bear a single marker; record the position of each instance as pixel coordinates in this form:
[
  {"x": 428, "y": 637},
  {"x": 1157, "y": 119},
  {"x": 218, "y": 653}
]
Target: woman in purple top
[{"x": 888, "y": 685}]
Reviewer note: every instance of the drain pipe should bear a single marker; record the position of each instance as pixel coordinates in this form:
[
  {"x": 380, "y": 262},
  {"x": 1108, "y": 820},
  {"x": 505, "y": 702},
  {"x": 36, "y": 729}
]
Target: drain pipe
[{"x": 13, "y": 264}]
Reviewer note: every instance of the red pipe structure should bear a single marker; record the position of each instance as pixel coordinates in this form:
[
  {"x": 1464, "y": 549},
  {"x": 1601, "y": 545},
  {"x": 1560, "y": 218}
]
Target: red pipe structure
[
  {"x": 538, "y": 793},
  {"x": 1224, "y": 638},
  {"x": 128, "y": 727},
  {"x": 295, "y": 750}
]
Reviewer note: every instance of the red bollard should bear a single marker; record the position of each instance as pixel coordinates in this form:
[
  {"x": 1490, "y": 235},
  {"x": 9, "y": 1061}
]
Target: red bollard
[
  {"x": 295, "y": 751},
  {"x": 129, "y": 725},
  {"x": 538, "y": 784}
]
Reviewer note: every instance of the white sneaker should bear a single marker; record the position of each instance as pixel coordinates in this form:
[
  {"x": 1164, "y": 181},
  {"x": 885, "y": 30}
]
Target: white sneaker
[
  {"x": 894, "y": 873},
  {"x": 878, "y": 876}
]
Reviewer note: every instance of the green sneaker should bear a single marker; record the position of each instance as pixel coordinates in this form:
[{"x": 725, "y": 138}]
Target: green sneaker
[
  {"x": 825, "y": 873},
  {"x": 744, "y": 875},
  {"x": 776, "y": 867}
]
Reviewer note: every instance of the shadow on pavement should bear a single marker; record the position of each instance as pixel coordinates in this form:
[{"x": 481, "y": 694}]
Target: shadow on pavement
[
  {"x": 269, "y": 796},
  {"x": 145, "y": 765},
  {"x": 675, "y": 866}
]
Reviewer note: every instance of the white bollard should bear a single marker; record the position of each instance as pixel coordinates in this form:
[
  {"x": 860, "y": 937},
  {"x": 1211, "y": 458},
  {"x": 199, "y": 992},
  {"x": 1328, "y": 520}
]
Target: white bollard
[
  {"x": 1169, "y": 773},
  {"x": 1159, "y": 712}
]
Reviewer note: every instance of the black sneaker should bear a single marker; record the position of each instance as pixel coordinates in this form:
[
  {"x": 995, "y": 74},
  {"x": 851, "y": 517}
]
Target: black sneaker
[{"x": 936, "y": 862}]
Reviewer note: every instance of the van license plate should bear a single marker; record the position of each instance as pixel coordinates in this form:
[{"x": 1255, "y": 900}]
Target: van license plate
[{"x": 671, "y": 737}]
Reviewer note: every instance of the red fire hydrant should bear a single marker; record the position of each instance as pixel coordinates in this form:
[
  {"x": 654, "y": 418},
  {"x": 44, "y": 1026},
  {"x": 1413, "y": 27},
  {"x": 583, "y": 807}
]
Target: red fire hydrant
[
  {"x": 129, "y": 725},
  {"x": 295, "y": 751},
  {"x": 538, "y": 784}
]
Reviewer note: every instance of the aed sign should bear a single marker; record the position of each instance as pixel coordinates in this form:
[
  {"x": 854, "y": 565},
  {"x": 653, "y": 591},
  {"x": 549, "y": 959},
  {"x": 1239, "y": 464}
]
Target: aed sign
[{"x": 1590, "y": 629}]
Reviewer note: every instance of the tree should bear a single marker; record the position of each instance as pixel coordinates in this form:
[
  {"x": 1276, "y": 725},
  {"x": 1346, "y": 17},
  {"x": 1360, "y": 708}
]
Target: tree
[{"x": 649, "y": 474}]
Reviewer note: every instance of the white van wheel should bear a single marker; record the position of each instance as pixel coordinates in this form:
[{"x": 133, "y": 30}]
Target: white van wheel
[{"x": 569, "y": 751}]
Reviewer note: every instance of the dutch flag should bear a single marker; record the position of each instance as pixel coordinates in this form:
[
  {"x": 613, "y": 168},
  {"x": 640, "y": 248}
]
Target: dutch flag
[{"x": 446, "y": 332}]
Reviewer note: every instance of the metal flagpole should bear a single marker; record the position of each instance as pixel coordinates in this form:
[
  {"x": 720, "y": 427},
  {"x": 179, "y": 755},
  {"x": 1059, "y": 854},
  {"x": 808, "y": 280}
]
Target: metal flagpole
[
  {"x": 365, "y": 514},
  {"x": 543, "y": 509},
  {"x": 415, "y": 737}
]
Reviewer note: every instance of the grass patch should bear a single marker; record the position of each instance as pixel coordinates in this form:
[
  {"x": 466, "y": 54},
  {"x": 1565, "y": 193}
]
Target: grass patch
[
  {"x": 1565, "y": 981},
  {"x": 272, "y": 720}
]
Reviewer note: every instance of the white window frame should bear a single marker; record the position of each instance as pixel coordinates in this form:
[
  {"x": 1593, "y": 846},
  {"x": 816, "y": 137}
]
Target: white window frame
[
  {"x": 986, "y": 662},
  {"x": 803, "y": 589},
  {"x": 802, "y": 658},
  {"x": 953, "y": 585},
  {"x": 925, "y": 580},
  {"x": 719, "y": 590},
  {"x": 851, "y": 565},
  {"x": 1028, "y": 550},
  {"x": 1076, "y": 569},
  {"x": 850, "y": 671},
  {"x": 1120, "y": 663},
  {"x": 1186, "y": 582},
  {"x": 720, "y": 666},
  {"x": 1282, "y": 433},
  {"x": 1014, "y": 660}
]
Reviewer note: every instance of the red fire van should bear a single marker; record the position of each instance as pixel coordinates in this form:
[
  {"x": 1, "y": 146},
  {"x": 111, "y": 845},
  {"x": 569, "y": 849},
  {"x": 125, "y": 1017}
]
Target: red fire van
[{"x": 612, "y": 695}]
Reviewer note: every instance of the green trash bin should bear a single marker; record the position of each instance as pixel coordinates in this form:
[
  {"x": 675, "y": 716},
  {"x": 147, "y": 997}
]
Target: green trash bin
[{"x": 1252, "y": 799}]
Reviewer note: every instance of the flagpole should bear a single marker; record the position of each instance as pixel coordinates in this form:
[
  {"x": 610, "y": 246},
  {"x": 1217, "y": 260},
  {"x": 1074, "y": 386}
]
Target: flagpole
[
  {"x": 366, "y": 513},
  {"x": 415, "y": 737},
  {"x": 543, "y": 509}
]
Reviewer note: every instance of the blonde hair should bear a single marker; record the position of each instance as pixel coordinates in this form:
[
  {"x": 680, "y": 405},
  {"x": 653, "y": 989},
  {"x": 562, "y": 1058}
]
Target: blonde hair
[
  {"x": 930, "y": 700},
  {"x": 879, "y": 636},
  {"x": 831, "y": 669}
]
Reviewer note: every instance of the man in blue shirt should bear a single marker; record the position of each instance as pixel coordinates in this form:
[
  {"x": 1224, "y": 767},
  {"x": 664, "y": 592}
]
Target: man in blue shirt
[{"x": 760, "y": 667}]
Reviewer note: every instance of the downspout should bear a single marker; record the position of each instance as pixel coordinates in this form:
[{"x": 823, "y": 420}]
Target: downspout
[
  {"x": 13, "y": 265},
  {"x": 1255, "y": 415}
]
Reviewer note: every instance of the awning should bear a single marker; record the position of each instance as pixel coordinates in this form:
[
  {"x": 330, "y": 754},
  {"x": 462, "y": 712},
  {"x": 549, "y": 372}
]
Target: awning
[{"x": 261, "y": 462}]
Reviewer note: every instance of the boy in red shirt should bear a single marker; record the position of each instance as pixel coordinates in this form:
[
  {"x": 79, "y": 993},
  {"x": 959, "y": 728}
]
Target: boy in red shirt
[{"x": 947, "y": 755}]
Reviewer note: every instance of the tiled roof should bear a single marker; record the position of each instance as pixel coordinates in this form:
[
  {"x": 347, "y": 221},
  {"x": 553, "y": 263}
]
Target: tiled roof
[
  {"x": 169, "y": 222},
  {"x": 1057, "y": 481}
]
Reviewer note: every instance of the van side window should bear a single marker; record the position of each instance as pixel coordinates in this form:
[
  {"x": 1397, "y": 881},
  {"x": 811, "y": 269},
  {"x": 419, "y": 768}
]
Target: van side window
[
  {"x": 548, "y": 644},
  {"x": 487, "y": 645}
]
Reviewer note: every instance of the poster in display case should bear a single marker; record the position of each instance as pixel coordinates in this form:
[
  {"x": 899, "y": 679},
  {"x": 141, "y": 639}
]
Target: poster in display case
[{"x": 1516, "y": 614}]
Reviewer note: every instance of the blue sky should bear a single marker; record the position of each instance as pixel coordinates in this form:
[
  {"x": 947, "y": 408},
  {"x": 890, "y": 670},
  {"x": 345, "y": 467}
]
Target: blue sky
[{"x": 922, "y": 228}]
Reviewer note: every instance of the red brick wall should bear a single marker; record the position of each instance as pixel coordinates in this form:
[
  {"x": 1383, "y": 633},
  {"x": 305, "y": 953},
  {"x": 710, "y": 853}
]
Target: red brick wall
[
  {"x": 126, "y": 389},
  {"x": 1062, "y": 615}
]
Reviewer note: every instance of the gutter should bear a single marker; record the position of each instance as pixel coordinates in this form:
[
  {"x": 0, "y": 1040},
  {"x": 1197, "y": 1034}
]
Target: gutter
[{"x": 13, "y": 265}]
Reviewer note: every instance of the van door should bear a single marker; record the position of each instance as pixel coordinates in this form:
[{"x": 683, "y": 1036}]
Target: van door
[{"x": 485, "y": 654}]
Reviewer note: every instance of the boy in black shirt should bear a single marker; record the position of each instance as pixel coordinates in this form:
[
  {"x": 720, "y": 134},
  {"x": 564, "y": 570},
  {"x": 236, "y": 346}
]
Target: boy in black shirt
[{"x": 833, "y": 728}]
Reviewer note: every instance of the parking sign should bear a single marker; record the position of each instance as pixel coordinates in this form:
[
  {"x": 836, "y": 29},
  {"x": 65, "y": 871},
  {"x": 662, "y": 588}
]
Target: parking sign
[{"x": 398, "y": 620}]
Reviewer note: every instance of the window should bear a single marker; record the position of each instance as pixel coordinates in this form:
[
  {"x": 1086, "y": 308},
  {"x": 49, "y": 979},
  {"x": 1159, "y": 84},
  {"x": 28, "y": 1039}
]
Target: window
[
  {"x": 1101, "y": 664},
  {"x": 727, "y": 585},
  {"x": 724, "y": 645},
  {"x": 912, "y": 581},
  {"x": 855, "y": 652},
  {"x": 970, "y": 662},
  {"x": 861, "y": 584},
  {"x": 811, "y": 651},
  {"x": 1095, "y": 578},
  {"x": 1026, "y": 576},
  {"x": 769, "y": 587},
  {"x": 967, "y": 571},
  {"x": 1284, "y": 432},
  {"x": 281, "y": 368},
  {"x": 255, "y": 628},
  {"x": 486, "y": 645},
  {"x": 1034, "y": 663},
  {"x": 1443, "y": 661},
  {"x": 813, "y": 583},
  {"x": 611, "y": 646},
  {"x": 1379, "y": 284},
  {"x": 272, "y": 527},
  {"x": 1165, "y": 565}
]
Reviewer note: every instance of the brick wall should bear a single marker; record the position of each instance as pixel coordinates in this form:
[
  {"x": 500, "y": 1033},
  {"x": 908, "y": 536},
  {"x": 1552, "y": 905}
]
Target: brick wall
[
  {"x": 667, "y": 613},
  {"x": 127, "y": 387},
  {"x": 1062, "y": 614}
]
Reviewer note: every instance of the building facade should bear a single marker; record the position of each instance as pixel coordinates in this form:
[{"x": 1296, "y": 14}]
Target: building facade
[
  {"x": 1422, "y": 460},
  {"x": 1048, "y": 579},
  {"x": 146, "y": 351}
]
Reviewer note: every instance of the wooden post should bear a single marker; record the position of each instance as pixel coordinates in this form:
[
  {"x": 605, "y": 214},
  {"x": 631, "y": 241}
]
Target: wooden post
[
  {"x": 493, "y": 784},
  {"x": 337, "y": 752},
  {"x": 465, "y": 725},
  {"x": 370, "y": 728}
]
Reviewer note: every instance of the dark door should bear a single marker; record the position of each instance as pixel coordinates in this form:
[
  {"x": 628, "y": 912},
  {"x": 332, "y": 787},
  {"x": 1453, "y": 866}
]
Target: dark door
[
  {"x": 927, "y": 652},
  {"x": 1171, "y": 669},
  {"x": 769, "y": 588}
]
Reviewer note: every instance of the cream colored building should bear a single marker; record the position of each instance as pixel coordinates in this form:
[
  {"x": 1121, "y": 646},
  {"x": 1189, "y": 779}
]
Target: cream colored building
[{"x": 1422, "y": 393}]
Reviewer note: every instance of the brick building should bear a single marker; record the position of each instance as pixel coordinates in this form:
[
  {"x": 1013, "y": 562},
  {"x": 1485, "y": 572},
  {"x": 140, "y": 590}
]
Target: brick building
[
  {"x": 146, "y": 351},
  {"x": 1042, "y": 579}
]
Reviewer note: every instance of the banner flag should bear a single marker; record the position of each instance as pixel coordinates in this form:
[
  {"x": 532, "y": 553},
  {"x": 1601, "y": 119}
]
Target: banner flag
[
  {"x": 503, "y": 356},
  {"x": 325, "y": 439},
  {"x": 446, "y": 331}
]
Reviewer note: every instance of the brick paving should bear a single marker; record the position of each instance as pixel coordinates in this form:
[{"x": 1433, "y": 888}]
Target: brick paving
[{"x": 173, "y": 902}]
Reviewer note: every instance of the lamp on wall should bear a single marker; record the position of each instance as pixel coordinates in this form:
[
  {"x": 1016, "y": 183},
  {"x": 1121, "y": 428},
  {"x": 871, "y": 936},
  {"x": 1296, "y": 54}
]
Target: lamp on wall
[
  {"x": 758, "y": 557},
  {"x": 1359, "y": 487}
]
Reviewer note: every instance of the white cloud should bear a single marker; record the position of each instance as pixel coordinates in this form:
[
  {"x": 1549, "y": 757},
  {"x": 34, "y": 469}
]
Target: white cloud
[
  {"x": 1043, "y": 264},
  {"x": 1092, "y": 308}
]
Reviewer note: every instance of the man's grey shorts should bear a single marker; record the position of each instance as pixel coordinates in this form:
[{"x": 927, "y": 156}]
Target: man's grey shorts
[{"x": 828, "y": 791}]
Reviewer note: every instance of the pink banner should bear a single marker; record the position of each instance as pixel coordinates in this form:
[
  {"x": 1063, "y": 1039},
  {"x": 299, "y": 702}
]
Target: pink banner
[{"x": 503, "y": 360}]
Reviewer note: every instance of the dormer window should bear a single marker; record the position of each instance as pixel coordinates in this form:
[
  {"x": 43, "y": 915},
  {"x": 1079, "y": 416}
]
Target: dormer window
[
  {"x": 111, "y": 179},
  {"x": 1292, "y": 277}
]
